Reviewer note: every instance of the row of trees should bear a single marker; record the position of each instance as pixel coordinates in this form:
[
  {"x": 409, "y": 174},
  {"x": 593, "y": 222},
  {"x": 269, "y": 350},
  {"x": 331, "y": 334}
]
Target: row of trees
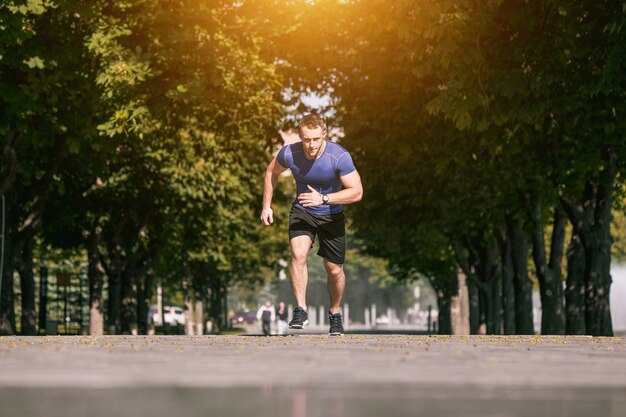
[
  {"x": 137, "y": 131},
  {"x": 483, "y": 129}
]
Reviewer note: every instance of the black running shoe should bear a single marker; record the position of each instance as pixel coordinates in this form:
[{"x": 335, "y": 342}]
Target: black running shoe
[
  {"x": 300, "y": 318},
  {"x": 336, "y": 325}
]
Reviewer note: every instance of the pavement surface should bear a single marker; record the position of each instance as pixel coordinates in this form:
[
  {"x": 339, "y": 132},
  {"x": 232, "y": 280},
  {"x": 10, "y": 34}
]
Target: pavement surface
[{"x": 312, "y": 375}]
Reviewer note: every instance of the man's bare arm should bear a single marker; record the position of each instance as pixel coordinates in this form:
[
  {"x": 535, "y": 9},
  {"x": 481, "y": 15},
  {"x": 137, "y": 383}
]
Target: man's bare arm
[{"x": 274, "y": 169}]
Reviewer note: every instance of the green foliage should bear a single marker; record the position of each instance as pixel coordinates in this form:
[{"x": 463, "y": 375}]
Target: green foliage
[
  {"x": 461, "y": 114},
  {"x": 153, "y": 121},
  {"x": 188, "y": 109}
]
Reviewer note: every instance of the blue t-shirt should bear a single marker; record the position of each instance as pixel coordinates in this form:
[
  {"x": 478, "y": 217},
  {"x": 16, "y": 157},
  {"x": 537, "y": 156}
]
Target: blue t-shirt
[{"x": 322, "y": 173}]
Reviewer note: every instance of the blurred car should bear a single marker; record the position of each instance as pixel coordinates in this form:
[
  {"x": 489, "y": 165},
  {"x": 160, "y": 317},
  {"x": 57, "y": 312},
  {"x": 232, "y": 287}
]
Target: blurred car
[
  {"x": 243, "y": 317},
  {"x": 171, "y": 314}
]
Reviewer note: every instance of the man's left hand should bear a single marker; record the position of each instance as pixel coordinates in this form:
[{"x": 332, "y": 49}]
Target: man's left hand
[{"x": 314, "y": 198}]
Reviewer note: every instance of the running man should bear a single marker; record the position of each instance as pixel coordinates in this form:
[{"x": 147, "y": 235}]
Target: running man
[{"x": 326, "y": 179}]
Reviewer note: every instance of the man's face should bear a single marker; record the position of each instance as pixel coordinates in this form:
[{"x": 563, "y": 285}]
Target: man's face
[{"x": 312, "y": 141}]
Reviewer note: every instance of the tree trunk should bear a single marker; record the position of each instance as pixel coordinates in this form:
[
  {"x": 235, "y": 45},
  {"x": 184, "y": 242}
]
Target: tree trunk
[
  {"x": 15, "y": 237},
  {"x": 215, "y": 307},
  {"x": 445, "y": 288},
  {"x": 598, "y": 281},
  {"x": 95, "y": 274},
  {"x": 43, "y": 295},
  {"x": 468, "y": 265},
  {"x": 11, "y": 252},
  {"x": 523, "y": 285},
  {"x": 459, "y": 308},
  {"x": 130, "y": 291},
  {"x": 114, "y": 274},
  {"x": 7, "y": 301},
  {"x": 199, "y": 308},
  {"x": 549, "y": 273},
  {"x": 207, "y": 309},
  {"x": 199, "y": 313},
  {"x": 591, "y": 218},
  {"x": 27, "y": 285},
  {"x": 474, "y": 307},
  {"x": 598, "y": 256},
  {"x": 508, "y": 288},
  {"x": 482, "y": 261},
  {"x": 483, "y": 304},
  {"x": 554, "y": 265},
  {"x": 189, "y": 325},
  {"x": 445, "y": 319},
  {"x": 9, "y": 163},
  {"x": 487, "y": 267},
  {"x": 218, "y": 306},
  {"x": 143, "y": 306},
  {"x": 224, "y": 300},
  {"x": 575, "y": 289},
  {"x": 496, "y": 300}
]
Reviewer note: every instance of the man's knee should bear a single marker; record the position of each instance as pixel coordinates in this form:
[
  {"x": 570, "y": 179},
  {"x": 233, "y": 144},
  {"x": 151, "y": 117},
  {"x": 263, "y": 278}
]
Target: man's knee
[
  {"x": 298, "y": 257},
  {"x": 334, "y": 270},
  {"x": 300, "y": 246}
]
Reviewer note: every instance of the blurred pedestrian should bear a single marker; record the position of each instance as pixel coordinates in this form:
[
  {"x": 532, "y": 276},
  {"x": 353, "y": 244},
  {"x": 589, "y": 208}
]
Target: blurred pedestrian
[
  {"x": 266, "y": 314},
  {"x": 281, "y": 318},
  {"x": 326, "y": 179}
]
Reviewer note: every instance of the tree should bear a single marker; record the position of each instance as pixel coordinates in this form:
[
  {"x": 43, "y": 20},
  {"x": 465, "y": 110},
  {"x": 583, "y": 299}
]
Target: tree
[
  {"x": 187, "y": 109},
  {"x": 40, "y": 89},
  {"x": 515, "y": 96}
]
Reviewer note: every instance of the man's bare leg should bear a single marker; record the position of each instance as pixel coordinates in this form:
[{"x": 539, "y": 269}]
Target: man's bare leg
[
  {"x": 298, "y": 273},
  {"x": 336, "y": 283}
]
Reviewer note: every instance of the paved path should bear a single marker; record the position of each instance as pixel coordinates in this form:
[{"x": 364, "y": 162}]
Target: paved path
[{"x": 312, "y": 375}]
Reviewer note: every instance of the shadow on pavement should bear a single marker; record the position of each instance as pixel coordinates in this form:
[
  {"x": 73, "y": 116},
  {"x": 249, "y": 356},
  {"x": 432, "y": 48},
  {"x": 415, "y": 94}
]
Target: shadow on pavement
[{"x": 317, "y": 401}]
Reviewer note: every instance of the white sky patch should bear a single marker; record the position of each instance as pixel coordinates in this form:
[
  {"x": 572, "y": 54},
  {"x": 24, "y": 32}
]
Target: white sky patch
[
  {"x": 316, "y": 101},
  {"x": 618, "y": 296}
]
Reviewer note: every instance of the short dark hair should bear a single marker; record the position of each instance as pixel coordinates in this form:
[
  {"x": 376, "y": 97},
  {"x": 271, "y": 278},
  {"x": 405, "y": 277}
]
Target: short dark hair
[{"x": 311, "y": 121}]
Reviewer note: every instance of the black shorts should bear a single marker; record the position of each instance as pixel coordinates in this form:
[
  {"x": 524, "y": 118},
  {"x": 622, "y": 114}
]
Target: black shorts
[{"x": 330, "y": 228}]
